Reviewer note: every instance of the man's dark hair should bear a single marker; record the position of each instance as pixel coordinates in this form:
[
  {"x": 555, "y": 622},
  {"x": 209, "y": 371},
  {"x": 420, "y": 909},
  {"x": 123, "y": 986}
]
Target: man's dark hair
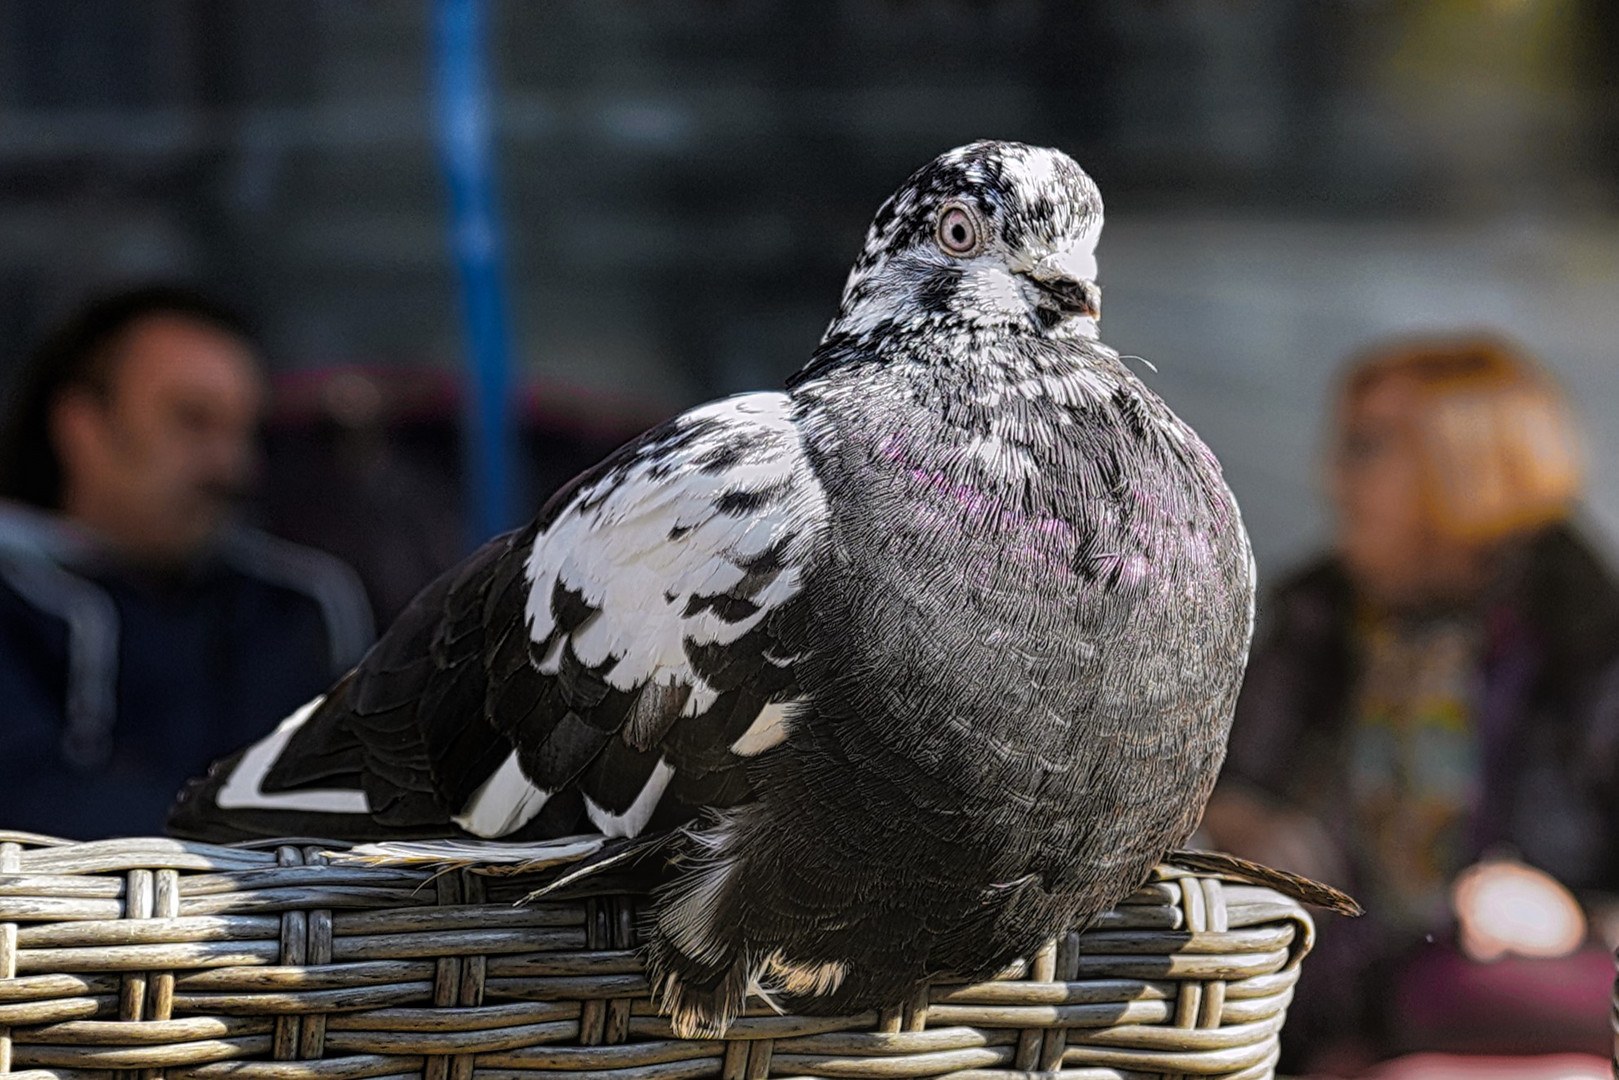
[{"x": 80, "y": 354}]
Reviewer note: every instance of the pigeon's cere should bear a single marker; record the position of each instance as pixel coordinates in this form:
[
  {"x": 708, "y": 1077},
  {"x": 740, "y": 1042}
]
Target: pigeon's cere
[{"x": 905, "y": 669}]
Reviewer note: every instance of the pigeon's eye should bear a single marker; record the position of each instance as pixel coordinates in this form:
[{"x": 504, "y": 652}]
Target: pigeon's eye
[{"x": 959, "y": 231}]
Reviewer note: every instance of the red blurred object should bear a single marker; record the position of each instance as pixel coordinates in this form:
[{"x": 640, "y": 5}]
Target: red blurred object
[
  {"x": 1446, "y": 1002},
  {"x": 365, "y": 461},
  {"x": 405, "y": 394},
  {"x": 1478, "y": 1067}
]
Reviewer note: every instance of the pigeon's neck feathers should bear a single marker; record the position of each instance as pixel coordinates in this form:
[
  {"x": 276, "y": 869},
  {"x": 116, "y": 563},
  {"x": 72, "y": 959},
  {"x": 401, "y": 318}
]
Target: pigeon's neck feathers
[
  {"x": 970, "y": 309},
  {"x": 1045, "y": 397},
  {"x": 953, "y": 346},
  {"x": 939, "y": 354}
]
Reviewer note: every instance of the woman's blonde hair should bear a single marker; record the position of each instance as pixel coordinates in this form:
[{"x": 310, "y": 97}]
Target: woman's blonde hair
[{"x": 1498, "y": 446}]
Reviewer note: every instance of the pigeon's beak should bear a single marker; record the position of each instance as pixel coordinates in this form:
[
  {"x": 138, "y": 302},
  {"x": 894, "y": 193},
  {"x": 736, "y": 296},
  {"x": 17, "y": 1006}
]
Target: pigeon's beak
[
  {"x": 1071, "y": 296},
  {"x": 1067, "y": 283}
]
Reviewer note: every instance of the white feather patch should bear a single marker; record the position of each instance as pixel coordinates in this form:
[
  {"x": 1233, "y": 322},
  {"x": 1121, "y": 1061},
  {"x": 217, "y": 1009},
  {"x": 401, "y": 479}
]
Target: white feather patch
[
  {"x": 642, "y": 548},
  {"x": 633, "y": 820},
  {"x": 1000, "y": 457},
  {"x": 242, "y": 790},
  {"x": 503, "y": 803},
  {"x": 768, "y": 729},
  {"x": 797, "y": 978},
  {"x": 551, "y": 662}
]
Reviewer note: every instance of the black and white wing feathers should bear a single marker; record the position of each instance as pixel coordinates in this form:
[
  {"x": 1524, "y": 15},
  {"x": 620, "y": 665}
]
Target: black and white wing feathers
[{"x": 611, "y": 666}]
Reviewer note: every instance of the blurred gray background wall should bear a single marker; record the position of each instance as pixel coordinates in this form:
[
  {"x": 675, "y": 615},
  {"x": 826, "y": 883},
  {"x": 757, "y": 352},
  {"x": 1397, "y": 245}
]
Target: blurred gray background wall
[{"x": 684, "y": 184}]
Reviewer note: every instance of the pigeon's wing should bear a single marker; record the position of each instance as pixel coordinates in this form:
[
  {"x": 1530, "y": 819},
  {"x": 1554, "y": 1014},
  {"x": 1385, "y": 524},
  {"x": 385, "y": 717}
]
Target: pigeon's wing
[{"x": 613, "y": 666}]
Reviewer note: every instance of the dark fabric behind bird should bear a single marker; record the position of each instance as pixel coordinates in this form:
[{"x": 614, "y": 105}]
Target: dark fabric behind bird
[{"x": 188, "y": 669}]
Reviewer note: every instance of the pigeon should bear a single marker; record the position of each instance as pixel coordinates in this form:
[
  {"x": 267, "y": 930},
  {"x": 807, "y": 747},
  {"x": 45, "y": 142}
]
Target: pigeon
[{"x": 906, "y": 668}]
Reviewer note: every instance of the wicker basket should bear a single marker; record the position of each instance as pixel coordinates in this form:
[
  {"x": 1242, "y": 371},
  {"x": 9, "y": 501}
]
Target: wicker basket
[{"x": 191, "y": 961}]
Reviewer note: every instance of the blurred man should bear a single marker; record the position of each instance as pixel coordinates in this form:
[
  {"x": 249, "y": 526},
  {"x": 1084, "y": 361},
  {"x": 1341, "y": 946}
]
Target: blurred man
[
  {"x": 143, "y": 630},
  {"x": 1432, "y": 718}
]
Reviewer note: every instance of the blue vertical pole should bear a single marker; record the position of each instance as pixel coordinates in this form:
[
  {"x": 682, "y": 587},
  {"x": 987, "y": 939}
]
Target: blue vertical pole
[{"x": 464, "y": 115}]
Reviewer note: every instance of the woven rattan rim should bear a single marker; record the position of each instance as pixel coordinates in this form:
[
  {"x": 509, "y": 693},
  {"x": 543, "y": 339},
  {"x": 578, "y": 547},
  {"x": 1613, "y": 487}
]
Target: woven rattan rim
[{"x": 196, "y": 962}]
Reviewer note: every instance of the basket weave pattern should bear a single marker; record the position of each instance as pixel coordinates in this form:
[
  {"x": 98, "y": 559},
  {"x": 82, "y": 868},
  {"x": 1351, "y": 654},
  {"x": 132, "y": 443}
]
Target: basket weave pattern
[{"x": 195, "y": 962}]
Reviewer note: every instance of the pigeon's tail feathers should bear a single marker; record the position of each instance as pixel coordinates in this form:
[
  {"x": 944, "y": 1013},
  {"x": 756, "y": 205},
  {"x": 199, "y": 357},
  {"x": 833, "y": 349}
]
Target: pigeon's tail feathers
[
  {"x": 319, "y": 750},
  {"x": 1296, "y": 886},
  {"x": 302, "y": 779}
]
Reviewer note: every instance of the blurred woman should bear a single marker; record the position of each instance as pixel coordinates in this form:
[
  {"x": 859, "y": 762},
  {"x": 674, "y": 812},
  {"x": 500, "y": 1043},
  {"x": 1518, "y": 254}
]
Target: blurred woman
[{"x": 1440, "y": 691}]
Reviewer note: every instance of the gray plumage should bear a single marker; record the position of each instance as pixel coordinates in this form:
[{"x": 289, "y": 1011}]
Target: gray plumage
[{"x": 927, "y": 659}]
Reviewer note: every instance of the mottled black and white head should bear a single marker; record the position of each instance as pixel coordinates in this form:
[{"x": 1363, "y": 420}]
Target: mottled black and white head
[{"x": 992, "y": 236}]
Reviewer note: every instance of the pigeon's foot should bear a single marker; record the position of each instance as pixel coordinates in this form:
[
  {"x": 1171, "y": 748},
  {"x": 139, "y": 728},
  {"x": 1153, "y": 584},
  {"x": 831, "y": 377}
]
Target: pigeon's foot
[{"x": 697, "y": 1009}]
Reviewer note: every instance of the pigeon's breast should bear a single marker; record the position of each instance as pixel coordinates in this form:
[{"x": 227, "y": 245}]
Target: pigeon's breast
[{"x": 1023, "y": 614}]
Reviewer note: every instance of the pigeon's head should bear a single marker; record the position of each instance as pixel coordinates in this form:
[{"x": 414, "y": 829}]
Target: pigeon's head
[{"x": 992, "y": 236}]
